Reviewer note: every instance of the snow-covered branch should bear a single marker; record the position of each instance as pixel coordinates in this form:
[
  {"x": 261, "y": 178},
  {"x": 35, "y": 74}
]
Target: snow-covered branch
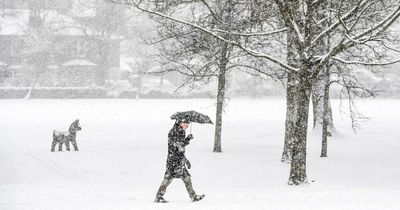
[
  {"x": 252, "y": 34},
  {"x": 381, "y": 26},
  {"x": 213, "y": 33},
  {"x": 337, "y": 23},
  {"x": 354, "y": 62},
  {"x": 286, "y": 13},
  {"x": 210, "y": 9}
]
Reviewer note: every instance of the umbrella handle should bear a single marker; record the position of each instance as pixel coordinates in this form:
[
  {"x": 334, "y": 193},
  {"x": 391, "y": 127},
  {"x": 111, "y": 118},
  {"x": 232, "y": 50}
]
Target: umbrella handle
[{"x": 191, "y": 128}]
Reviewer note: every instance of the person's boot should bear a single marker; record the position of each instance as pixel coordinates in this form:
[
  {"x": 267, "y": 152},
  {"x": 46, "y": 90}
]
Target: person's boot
[
  {"x": 160, "y": 200},
  {"x": 197, "y": 198}
]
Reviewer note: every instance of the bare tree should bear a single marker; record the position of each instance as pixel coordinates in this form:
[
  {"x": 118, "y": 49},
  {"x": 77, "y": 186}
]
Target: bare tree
[
  {"x": 37, "y": 41},
  {"x": 355, "y": 27},
  {"x": 103, "y": 29},
  {"x": 195, "y": 54}
]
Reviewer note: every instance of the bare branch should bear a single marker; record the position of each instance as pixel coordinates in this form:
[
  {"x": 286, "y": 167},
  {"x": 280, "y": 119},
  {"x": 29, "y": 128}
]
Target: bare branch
[
  {"x": 332, "y": 27},
  {"x": 214, "y": 34},
  {"x": 365, "y": 63},
  {"x": 253, "y": 34},
  {"x": 210, "y": 9},
  {"x": 381, "y": 26}
]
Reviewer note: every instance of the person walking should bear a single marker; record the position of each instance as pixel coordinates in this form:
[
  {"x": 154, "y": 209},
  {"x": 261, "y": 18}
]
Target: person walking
[{"x": 177, "y": 163}]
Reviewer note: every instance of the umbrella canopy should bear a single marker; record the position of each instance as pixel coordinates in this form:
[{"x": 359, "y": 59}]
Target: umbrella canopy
[{"x": 192, "y": 116}]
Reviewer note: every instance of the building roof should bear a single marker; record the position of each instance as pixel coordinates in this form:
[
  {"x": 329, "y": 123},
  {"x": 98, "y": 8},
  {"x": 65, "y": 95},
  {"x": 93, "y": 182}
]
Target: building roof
[{"x": 79, "y": 62}]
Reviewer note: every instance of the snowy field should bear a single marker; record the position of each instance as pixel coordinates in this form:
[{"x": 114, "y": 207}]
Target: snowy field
[{"x": 123, "y": 147}]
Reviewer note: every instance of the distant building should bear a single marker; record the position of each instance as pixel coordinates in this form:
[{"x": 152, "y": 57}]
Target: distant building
[{"x": 53, "y": 41}]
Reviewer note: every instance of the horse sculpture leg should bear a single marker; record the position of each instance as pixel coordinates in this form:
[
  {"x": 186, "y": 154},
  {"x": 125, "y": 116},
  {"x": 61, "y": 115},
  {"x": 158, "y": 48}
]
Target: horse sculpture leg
[
  {"x": 53, "y": 145},
  {"x": 74, "y": 144},
  {"x": 60, "y": 143},
  {"x": 67, "y": 145}
]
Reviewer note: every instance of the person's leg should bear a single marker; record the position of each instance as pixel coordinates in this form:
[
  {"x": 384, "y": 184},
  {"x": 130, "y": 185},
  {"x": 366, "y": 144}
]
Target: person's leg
[
  {"x": 188, "y": 183},
  {"x": 189, "y": 187},
  {"x": 163, "y": 187}
]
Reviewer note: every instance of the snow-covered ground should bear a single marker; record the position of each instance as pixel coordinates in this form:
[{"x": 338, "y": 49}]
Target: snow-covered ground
[{"x": 123, "y": 146}]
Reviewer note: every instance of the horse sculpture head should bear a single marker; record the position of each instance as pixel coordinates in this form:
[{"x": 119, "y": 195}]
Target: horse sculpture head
[{"x": 75, "y": 126}]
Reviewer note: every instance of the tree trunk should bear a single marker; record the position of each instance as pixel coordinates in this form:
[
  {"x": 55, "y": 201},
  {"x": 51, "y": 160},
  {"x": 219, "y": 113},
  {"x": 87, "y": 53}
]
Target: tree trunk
[
  {"x": 318, "y": 95},
  {"x": 161, "y": 81},
  {"x": 139, "y": 87},
  {"x": 291, "y": 92},
  {"x": 28, "y": 95},
  {"x": 320, "y": 85},
  {"x": 326, "y": 115},
  {"x": 289, "y": 124},
  {"x": 220, "y": 98},
  {"x": 299, "y": 149}
]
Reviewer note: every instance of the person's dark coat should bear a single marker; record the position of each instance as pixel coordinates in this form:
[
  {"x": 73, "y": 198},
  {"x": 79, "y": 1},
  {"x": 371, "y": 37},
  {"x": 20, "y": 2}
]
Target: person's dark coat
[{"x": 176, "y": 161}]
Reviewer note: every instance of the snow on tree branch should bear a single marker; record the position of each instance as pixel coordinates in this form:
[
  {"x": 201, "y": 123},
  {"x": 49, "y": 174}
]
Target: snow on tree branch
[
  {"x": 138, "y": 5},
  {"x": 336, "y": 24},
  {"x": 364, "y": 63},
  {"x": 252, "y": 34}
]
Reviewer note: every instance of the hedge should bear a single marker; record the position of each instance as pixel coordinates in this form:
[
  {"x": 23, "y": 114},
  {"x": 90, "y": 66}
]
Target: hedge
[{"x": 53, "y": 92}]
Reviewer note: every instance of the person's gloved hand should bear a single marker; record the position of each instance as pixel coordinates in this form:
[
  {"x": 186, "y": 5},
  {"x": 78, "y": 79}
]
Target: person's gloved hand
[
  {"x": 189, "y": 137},
  {"x": 188, "y": 164}
]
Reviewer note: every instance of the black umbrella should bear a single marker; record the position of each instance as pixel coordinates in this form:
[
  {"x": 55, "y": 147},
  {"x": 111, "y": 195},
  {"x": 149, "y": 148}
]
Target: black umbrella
[{"x": 192, "y": 116}]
